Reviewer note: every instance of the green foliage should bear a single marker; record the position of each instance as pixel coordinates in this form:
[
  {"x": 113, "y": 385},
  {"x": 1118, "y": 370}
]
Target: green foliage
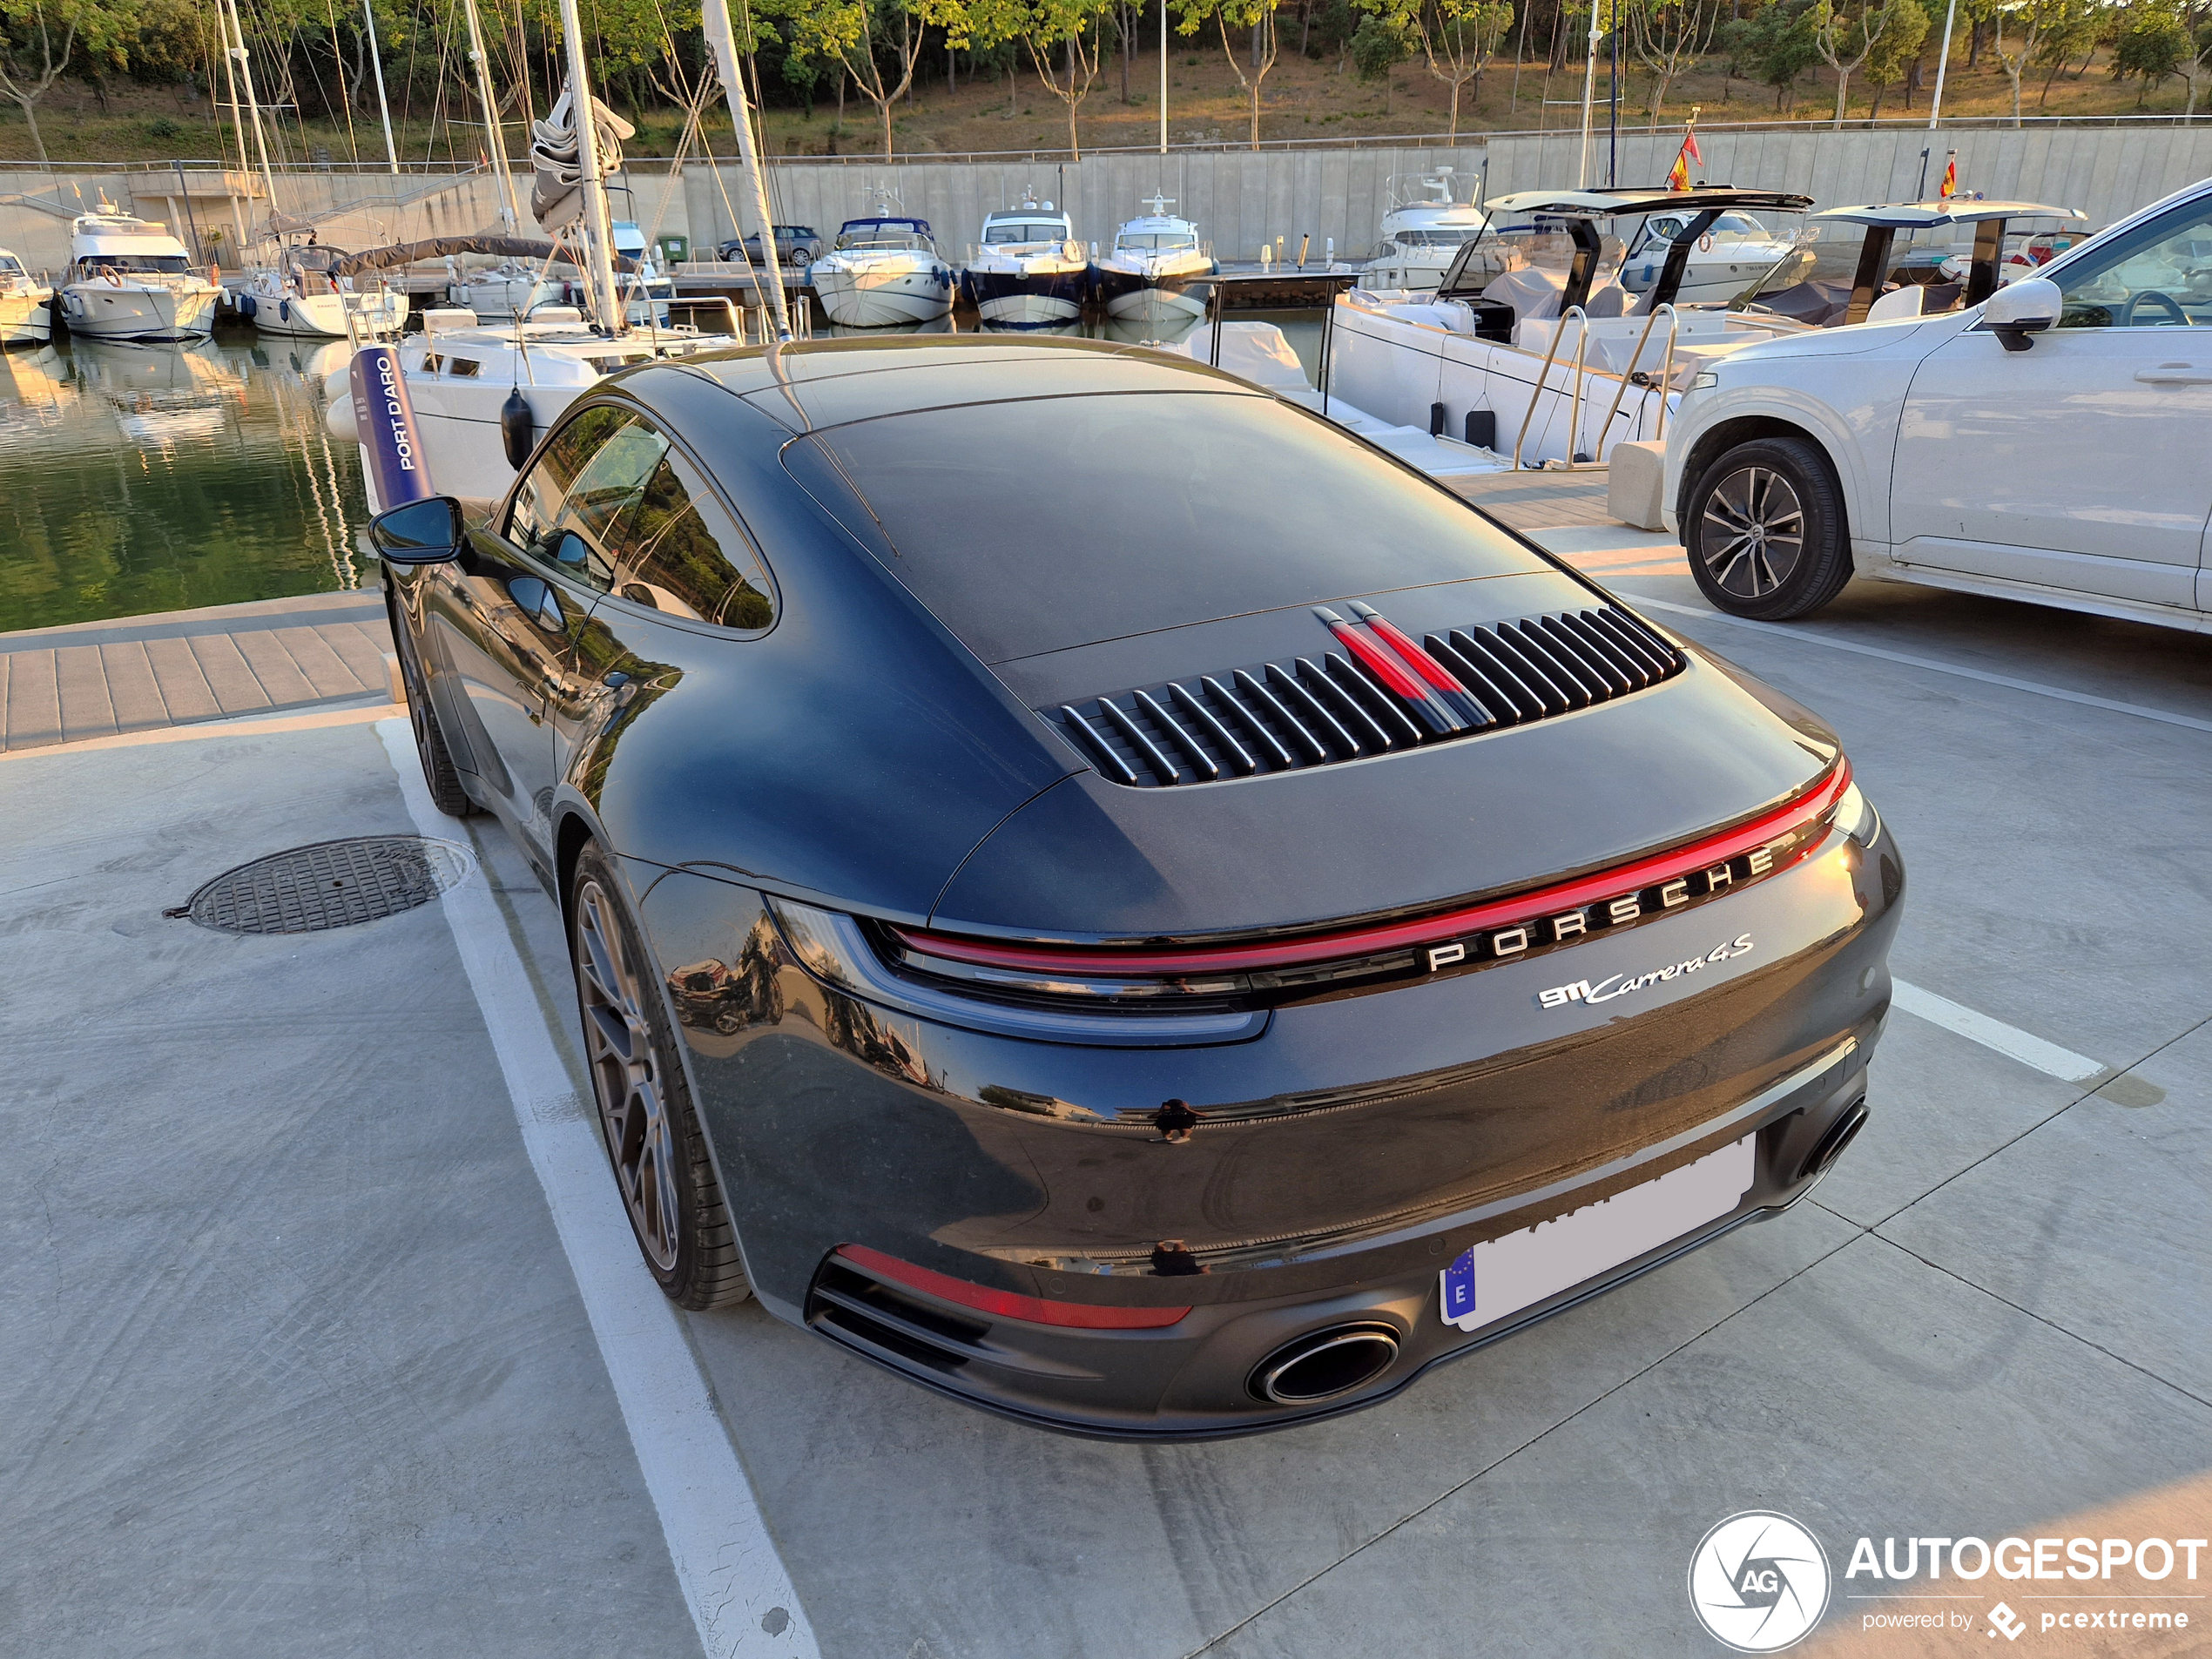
[
  {"x": 1377, "y": 47},
  {"x": 1905, "y": 32},
  {"x": 2153, "y": 44},
  {"x": 1775, "y": 46}
]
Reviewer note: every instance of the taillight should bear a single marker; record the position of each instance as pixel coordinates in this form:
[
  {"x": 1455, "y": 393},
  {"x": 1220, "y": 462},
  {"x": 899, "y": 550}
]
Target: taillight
[
  {"x": 1556, "y": 914},
  {"x": 1008, "y": 1304}
]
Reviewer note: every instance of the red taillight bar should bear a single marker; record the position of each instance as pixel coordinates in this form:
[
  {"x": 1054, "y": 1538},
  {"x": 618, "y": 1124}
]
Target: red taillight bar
[
  {"x": 1366, "y": 941},
  {"x": 1006, "y": 1304}
]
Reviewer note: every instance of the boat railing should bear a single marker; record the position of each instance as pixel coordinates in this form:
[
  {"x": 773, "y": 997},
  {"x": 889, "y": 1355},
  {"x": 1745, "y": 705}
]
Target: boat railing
[
  {"x": 1576, "y": 314},
  {"x": 1628, "y": 373}
]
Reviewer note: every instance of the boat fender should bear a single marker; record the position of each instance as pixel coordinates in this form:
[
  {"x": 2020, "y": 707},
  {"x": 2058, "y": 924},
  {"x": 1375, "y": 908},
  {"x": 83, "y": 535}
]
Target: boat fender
[
  {"x": 518, "y": 428},
  {"x": 284, "y": 310},
  {"x": 1436, "y": 419},
  {"x": 391, "y": 443},
  {"x": 246, "y": 303},
  {"x": 1483, "y": 428}
]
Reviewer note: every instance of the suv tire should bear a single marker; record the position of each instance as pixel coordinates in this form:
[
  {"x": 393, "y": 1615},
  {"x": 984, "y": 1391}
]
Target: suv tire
[{"x": 1763, "y": 527}]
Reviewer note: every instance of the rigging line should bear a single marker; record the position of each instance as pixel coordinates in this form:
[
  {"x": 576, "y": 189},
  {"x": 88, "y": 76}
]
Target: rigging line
[{"x": 338, "y": 67}]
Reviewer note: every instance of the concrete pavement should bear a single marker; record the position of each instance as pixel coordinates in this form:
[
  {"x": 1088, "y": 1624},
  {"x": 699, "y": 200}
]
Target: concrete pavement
[{"x": 291, "y": 1359}]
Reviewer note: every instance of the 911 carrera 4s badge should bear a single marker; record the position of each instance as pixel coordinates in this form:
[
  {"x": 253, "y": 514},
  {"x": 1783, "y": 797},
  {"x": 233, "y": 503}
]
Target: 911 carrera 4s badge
[{"x": 1620, "y": 984}]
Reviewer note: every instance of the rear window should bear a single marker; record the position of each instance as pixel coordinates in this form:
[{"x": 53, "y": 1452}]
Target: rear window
[{"x": 1034, "y": 526}]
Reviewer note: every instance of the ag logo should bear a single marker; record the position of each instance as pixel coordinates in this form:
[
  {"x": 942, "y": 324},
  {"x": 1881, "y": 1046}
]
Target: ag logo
[{"x": 1759, "y": 1582}]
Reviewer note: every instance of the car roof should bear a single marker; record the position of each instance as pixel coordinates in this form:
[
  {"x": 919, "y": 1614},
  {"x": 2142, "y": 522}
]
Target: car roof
[
  {"x": 1643, "y": 199},
  {"x": 811, "y": 384},
  {"x": 1953, "y": 211}
]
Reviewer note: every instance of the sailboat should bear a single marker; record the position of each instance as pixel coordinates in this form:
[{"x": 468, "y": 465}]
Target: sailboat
[{"x": 482, "y": 394}]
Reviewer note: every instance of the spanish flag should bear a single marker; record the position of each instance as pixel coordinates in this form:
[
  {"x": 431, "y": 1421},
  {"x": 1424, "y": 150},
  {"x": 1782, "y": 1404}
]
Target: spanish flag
[
  {"x": 1950, "y": 187},
  {"x": 1678, "y": 175}
]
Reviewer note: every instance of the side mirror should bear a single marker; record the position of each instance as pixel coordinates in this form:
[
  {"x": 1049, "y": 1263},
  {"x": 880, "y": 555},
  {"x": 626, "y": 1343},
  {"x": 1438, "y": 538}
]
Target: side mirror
[
  {"x": 419, "y": 532},
  {"x": 2021, "y": 308}
]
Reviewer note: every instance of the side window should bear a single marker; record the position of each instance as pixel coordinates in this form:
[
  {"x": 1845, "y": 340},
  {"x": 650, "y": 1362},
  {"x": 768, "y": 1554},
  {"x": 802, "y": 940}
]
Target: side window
[
  {"x": 2157, "y": 276},
  {"x": 537, "y": 503},
  {"x": 571, "y": 511},
  {"x": 682, "y": 553}
]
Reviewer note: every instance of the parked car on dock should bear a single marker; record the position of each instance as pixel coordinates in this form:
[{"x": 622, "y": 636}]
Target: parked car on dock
[
  {"x": 1080, "y": 954},
  {"x": 2046, "y": 443},
  {"x": 795, "y": 245}
]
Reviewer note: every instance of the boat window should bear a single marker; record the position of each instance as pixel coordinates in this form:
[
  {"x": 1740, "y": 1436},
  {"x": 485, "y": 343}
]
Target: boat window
[
  {"x": 1029, "y": 232},
  {"x": 1148, "y": 241},
  {"x": 679, "y": 552},
  {"x": 1811, "y": 283},
  {"x": 156, "y": 264},
  {"x": 11, "y": 265},
  {"x": 2157, "y": 276},
  {"x": 1246, "y": 504},
  {"x": 463, "y": 368},
  {"x": 431, "y": 362}
]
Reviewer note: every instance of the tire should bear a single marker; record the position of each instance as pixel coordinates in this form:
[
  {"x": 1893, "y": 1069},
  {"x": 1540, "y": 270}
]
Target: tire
[
  {"x": 438, "y": 770},
  {"x": 655, "y": 1149},
  {"x": 1765, "y": 531}
]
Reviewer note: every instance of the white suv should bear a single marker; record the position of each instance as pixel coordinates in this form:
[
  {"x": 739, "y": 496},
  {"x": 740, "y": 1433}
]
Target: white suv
[{"x": 2053, "y": 443}]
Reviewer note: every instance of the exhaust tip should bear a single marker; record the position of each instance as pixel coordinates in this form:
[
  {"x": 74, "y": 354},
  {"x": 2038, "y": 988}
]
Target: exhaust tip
[
  {"x": 1326, "y": 1364},
  {"x": 1841, "y": 1134}
]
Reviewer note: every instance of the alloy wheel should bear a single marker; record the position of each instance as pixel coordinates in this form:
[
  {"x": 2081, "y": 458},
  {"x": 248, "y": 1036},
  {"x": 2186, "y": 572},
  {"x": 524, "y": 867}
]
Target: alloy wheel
[
  {"x": 1753, "y": 533},
  {"x": 626, "y": 1075}
]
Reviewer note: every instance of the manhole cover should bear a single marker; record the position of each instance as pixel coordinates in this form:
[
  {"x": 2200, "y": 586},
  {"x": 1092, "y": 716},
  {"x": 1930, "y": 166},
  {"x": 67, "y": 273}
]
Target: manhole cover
[{"x": 331, "y": 884}]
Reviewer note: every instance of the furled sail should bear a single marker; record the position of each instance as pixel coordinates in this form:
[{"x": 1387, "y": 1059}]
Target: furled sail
[{"x": 557, "y": 192}]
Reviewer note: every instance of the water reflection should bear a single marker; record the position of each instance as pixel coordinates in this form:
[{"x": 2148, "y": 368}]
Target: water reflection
[{"x": 159, "y": 477}]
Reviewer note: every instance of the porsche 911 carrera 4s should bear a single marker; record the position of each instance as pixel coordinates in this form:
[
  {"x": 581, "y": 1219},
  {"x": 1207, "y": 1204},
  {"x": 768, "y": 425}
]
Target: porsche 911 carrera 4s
[{"x": 1098, "y": 890}]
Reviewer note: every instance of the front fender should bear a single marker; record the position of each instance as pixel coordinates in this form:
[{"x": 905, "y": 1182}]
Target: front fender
[{"x": 1856, "y": 431}]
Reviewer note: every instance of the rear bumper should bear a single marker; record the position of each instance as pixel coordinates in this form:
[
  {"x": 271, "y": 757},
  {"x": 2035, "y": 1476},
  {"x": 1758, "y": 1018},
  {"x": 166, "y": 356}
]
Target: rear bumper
[{"x": 1345, "y": 1152}]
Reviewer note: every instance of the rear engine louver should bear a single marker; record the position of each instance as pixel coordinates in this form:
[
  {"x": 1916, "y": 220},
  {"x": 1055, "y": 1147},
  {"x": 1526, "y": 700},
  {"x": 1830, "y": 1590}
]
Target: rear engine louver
[{"x": 1381, "y": 694}]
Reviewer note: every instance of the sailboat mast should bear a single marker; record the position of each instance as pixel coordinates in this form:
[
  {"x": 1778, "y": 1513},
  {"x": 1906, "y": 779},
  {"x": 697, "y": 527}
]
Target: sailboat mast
[
  {"x": 598, "y": 232},
  {"x": 377, "y": 62},
  {"x": 252, "y": 103},
  {"x": 715, "y": 17},
  {"x": 511, "y": 212},
  {"x": 1590, "y": 91}
]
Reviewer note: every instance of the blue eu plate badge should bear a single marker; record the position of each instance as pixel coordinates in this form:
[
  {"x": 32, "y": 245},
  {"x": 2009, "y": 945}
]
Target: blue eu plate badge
[{"x": 1459, "y": 1288}]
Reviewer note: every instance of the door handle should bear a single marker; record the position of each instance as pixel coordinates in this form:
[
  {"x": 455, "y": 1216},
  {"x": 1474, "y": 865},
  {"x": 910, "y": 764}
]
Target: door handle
[{"x": 2176, "y": 374}]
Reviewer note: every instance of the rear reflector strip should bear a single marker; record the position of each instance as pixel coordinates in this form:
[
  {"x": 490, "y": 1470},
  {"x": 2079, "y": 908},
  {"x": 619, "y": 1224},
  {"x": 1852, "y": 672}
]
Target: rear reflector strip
[
  {"x": 1663, "y": 871},
  {"x": 1005, "y": 1305}
]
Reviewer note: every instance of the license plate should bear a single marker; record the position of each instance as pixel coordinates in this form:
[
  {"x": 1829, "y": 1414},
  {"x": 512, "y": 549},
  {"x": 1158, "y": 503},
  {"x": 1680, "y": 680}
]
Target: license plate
[{"x": 1503, "y": 1276}]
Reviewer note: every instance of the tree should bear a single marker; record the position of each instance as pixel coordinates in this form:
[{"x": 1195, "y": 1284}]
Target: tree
[
  {"x": 858, "y": 36},
  {"x": 1776, "y": 46},
  {"x": 1259, "y": 17},
  {"x": 1846, "y": 40},
  {"x": 36, "y": 42},
  {"x": 2072, "y": 30},
  {"x": 1457, "y": 37},
  {"x": 2153, "y": 44},
  {"x": 1377, "y": 48},
  {"x": 1896, "y": 49},
  {"x": 1670, "y": 37},
  {"x": 1066, "y": 30}
]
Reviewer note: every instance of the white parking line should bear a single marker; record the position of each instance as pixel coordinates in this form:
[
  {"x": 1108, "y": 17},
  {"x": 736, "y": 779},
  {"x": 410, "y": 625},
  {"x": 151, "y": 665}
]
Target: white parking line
[
  {"x": 2030, "y": 1050},
  {"x": 2036, "y": 687},
  {"x": 732, "y": 1581}
]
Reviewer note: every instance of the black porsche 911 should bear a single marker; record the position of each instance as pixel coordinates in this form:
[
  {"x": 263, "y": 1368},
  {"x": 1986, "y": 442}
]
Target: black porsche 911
[{"x": 1099, "y": 892}]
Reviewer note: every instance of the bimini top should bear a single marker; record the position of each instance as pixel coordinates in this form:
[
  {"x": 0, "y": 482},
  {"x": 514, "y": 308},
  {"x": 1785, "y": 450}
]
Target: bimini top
[
  {"x": 1921, "y": 216},
  {"x": 1643, "y": 199}
]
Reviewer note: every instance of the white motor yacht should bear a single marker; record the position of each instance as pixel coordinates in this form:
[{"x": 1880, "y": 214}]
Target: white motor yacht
[
  {"x": 26, "y": 305},
  {"x": 881, "y": 272},
  {"x": 130, "y": 280},
  {"x": 1422, "y": 234},
  {"x": 300, "y": 297},
  {"x": 1532, "y": 343},
  {"x": 1723, "y": 260},
  {"x": 1029, "y": 270},
  {"x": 1148, "y": 274}
]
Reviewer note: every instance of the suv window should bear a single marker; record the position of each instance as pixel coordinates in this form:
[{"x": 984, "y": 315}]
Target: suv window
[{"x": 2157, "y": 276}]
